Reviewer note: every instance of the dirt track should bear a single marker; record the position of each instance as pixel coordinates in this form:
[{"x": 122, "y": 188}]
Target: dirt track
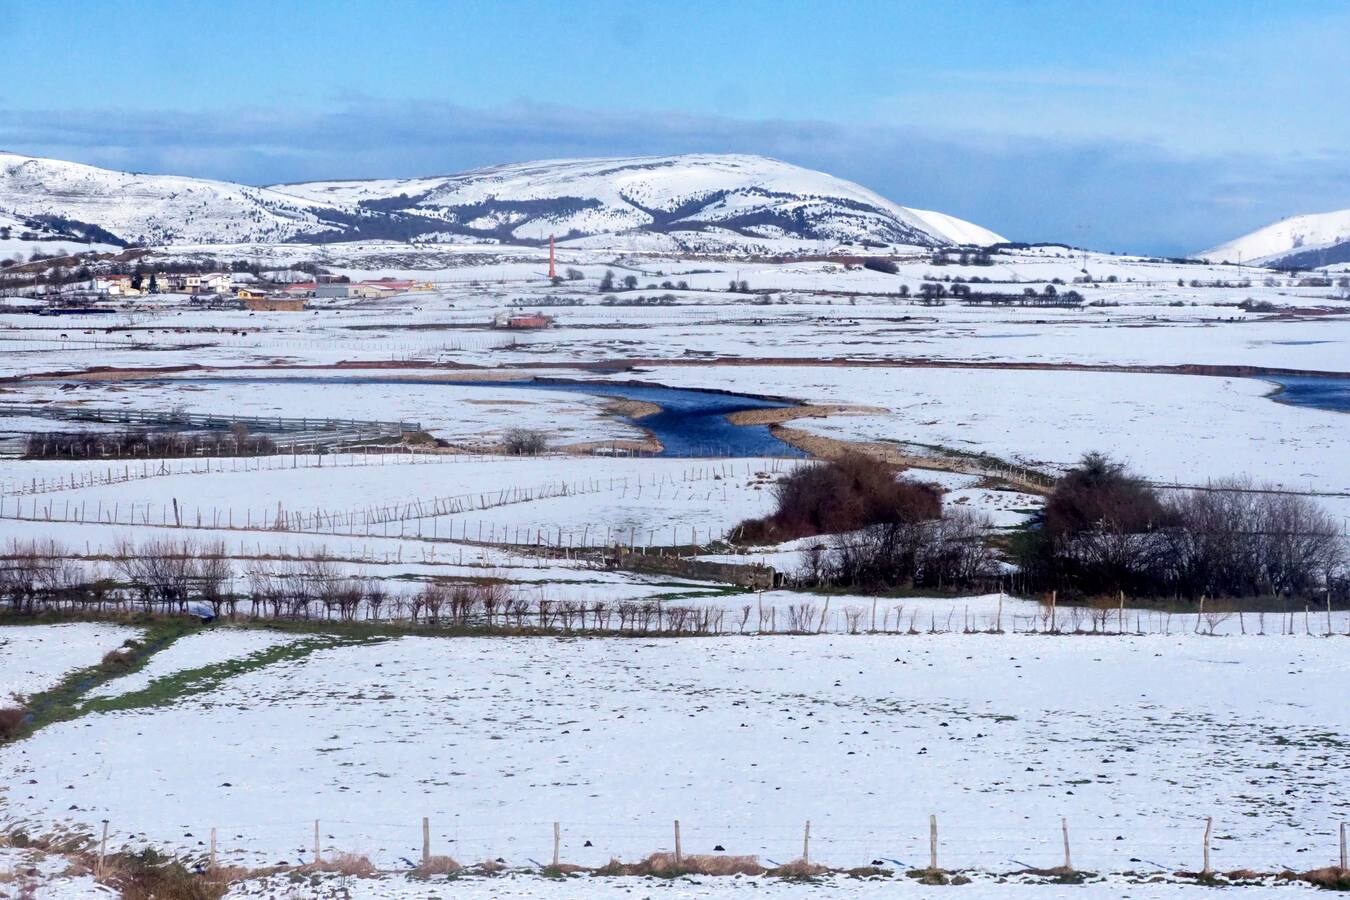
[
  {"x": 628, "y": 366},
  {"x": 805, "y": 411}
]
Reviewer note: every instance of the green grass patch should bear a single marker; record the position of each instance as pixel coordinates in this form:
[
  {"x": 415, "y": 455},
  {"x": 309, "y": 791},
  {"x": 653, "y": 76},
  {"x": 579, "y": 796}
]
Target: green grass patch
[
  {"x": 61, "y": 703},
  {"x": 171, "y": 688}
]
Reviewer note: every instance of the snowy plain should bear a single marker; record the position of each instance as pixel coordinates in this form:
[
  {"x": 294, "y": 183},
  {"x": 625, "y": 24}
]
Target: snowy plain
[{"x": 742, "y": 739}]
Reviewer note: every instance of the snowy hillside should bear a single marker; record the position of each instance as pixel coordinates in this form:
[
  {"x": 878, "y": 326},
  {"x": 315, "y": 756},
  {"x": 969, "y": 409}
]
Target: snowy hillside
[
  {"x": 151, "y": 209},
  {"x": 21, "y": 238},
  {"x": 1313, "y": 240},
  {"x": 702, "y": 203},
  {"x": 693, "y": 201}
]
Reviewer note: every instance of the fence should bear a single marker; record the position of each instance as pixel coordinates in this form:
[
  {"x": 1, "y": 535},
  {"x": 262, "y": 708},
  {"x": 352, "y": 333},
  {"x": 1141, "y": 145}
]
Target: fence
[
  {"x": 140, "y": 417},
  {"x": 416, "y": 519},
  {"x": 317, "y": 587},
  {"x": 126, "y": 471},
  {"x": 440, "y": 843}
]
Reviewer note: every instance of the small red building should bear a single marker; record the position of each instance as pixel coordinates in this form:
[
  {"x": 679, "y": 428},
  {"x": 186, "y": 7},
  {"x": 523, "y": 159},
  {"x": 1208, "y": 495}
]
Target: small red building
[{"x": 522, "y": 321}]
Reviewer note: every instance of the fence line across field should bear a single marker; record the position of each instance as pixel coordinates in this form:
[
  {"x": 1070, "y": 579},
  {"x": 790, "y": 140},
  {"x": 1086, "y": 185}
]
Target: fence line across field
[
  {"x": 376, "y": 520},
  {"x": 120, "y": 415},
  {"x": 123, "y": 471},
  {"x": 428, "y": 840}
]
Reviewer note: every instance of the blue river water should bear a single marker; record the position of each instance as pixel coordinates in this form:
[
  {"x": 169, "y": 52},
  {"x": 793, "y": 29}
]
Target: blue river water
[
  {"x": 690, "y": 423},
  {"x": 1314, "y": 391}
]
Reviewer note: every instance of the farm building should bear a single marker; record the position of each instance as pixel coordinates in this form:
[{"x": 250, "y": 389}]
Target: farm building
[
  {"x": 257, "y": 301},
  {"x": 522, "y": 321}
]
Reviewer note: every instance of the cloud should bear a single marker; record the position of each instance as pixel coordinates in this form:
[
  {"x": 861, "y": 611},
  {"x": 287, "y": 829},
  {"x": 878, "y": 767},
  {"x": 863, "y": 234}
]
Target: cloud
[{"x": 1110, "y": 194}]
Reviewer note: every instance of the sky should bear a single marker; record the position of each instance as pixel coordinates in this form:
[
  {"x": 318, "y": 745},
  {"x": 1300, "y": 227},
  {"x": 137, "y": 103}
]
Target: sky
[{"x": 1144, "y": 126}]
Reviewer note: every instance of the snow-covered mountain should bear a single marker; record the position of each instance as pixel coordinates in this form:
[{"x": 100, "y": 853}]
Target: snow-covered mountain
[
  {"x": 1319, "y": 239},
  {"x": 709, "y": 203},
  {"x": 740, "y": 199},
  {"x": 153, "y": 209}
]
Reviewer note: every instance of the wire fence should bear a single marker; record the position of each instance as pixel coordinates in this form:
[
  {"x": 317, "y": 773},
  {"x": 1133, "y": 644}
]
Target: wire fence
[
  {"x": 431, "y": 518},
  {"x": 1046, "y": 844}
]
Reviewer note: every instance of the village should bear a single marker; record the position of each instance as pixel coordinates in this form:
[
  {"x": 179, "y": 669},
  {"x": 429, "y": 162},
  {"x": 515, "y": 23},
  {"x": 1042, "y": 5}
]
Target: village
[{"x": 243, "y": 290}]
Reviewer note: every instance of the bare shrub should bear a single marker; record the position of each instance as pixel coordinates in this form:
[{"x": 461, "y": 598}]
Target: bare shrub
[
  {"x": 214, "y": 573},
  {"x": 1106, "y": 531},
  {"x": 438, "y": 865},
  {"x": 162, "y": 571},
  {"x": 118, "y": 660},
  {"x": 664, "y": 864},
  {"x": 949, "y": 552},
  {"x": 802, "y": 617},
  {"x": 853, "y": 616},
  {"x": 798, "y": 868},
  {"x": 34, "y": 573},
  {"x": 147, "y": 444},
  {"x": 350, "y": 864},
  {"x": 1239, "y": 540},
  {"x": 1215, "y": 614},
  {"x": 524, "y": 442}
]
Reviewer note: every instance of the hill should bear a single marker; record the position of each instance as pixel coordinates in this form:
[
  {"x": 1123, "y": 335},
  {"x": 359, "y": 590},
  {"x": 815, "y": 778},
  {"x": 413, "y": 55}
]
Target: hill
[
  {"x": 711, "y": 203},
  {"x": 1309, "y": 241}
]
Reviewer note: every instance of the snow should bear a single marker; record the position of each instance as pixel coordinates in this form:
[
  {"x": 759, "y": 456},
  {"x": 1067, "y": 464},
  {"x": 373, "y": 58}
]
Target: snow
[
  {"x": 742, "y": 739},
  {"x": 34, "y": 658},
  {"x": 536, "y": 887},
  {"x": 1171, "y": 428},
  {"x": 151, "y": 208},
  {"x": 623, "y": 191},
  {"x": 1292, "y": 235},
  {"x": 195, "y": 651}
]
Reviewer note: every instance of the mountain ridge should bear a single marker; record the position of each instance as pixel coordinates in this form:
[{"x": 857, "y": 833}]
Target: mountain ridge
[
  {"x": 1305, "y": 241},
  {"x": 691, "y": 202}
]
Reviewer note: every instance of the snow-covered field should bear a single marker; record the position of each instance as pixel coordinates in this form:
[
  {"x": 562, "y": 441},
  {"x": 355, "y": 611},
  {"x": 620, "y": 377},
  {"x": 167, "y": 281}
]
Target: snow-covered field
[
  {"x": 34, "y": 658},
  {"x": 1178, "y": 429},
  {"x": 206, "y": 648},
  {"x": 582, "y": 888},
  {"x": 1135, "y": 740}
]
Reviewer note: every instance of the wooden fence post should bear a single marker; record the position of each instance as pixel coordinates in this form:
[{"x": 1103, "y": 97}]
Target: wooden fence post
[
  {"x": 318, "y": 857},
  {"x": 426, "y": 841},
  {"x": 1053, "y": 598},
  {"x": 806, "y": 843},
  {"x": 103, "y": 847},
  {"x": 1064, "y": 827},
  {"x": 557, "y": 844},
  {"x": 213, "y": 848},
  {"x": 1209, "y": 826},
  {"x": 932, "y": 843},
  {"x": 1344, "y": 860},
  {"x": 679, "y": 855}
]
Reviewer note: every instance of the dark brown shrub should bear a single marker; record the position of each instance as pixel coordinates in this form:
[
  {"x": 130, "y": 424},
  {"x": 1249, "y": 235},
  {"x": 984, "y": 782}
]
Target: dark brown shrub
[
  {"x": 11, "y": 720},
  {"x": 846, "y": 494},
  {"x": 1100, "y": 493}
]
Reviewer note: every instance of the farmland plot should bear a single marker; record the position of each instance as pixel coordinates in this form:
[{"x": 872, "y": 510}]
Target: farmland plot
[
  {"x": 34, "y": 658},
  {"x": 742, "y": 739}
]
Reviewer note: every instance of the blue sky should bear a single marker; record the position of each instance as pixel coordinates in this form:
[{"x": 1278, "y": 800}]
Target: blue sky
[{"x": 1150, "y": 126}]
